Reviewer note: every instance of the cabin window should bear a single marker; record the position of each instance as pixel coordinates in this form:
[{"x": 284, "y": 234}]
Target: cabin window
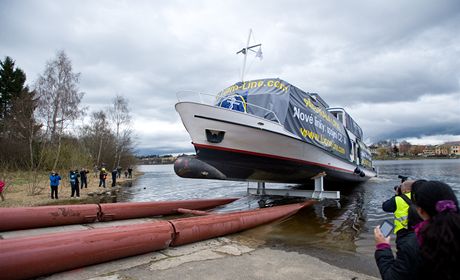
[{"x": 338, "y": 115}]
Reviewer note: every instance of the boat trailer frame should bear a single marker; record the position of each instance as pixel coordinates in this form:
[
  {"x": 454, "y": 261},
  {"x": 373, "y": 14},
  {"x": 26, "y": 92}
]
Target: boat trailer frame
[{"x": 318, "y": 193}]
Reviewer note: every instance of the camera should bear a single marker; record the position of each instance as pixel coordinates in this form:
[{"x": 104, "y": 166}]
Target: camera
[
  {"x": 403, "y": 178},
  {"x": 398, "y": 190}
]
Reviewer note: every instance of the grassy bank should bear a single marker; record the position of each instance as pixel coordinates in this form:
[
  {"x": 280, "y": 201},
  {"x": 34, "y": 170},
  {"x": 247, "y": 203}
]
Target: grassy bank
[{"x": 21, "y": 184}]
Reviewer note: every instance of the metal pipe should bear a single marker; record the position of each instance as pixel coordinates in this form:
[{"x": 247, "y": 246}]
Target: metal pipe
[
  {"x": 130, "y": 210},
  {"x": 29, "y": 257},
  {"x": 193, "y": 212},
  {"x": 193, "y": 229},
  {"x": 46, "y": 216},
  {"x": 22, "y": 258}
]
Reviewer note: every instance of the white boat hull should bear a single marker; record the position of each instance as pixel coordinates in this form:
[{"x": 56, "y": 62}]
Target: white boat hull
[{"x": 256, "y": 149}]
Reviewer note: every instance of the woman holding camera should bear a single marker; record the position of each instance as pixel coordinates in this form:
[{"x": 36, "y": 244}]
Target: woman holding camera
[{"x": 432, "y": 251}]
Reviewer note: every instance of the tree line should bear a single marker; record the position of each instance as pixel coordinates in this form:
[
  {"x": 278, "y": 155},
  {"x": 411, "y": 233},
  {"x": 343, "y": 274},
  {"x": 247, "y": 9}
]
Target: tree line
[{"x": 38, "y": 128}]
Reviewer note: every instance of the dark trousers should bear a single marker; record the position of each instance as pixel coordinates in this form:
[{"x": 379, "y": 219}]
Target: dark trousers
[
  {"x": 75, "y": 190},
  {"x": 84, "y": 182},
  {"x": 54, "y": 192},
  {"x": 102, "y": 182}
]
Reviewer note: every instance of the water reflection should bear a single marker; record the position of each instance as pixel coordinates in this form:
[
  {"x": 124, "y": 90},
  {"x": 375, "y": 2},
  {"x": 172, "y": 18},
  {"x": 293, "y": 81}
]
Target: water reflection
[{"x": 346, "y": 227}]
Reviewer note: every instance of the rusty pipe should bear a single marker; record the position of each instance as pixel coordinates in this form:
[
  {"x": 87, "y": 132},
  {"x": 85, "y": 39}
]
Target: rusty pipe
[
  {"x": 47, "y": 216},
  {"x": 22, "y": 258},
  {"x": 130, "y": 210},
  {"x": 193, "y": 212},
  {"x": 28, "y": 257},
  {"x": 194, "y": 229}
]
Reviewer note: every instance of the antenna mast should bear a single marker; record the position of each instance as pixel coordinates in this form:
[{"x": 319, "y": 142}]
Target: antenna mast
[{"x": 244, "y": 51}]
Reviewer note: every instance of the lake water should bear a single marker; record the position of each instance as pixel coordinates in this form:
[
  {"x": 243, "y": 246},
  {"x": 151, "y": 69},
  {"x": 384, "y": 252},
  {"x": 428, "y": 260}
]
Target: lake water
[{"x": 347, "y": 227}]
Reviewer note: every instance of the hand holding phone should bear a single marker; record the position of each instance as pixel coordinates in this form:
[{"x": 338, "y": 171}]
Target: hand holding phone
[{"x": 386, "y": 228}]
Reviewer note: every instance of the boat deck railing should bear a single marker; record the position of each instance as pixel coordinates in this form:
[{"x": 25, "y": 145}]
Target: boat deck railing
[{"x": 212, "y": 99}]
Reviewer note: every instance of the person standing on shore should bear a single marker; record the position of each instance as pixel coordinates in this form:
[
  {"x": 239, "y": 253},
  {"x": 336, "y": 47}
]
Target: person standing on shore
[
  {"x": 102, "y": 177},
  {"x": 96, "y": 171},
  {"x": 73, "y": 184},
  {"x": 119, "y": 169},
  {"x": 54, "y": 184},
  {"x": 400, "y": 206},
  {"x": 130, "y": 172},
  {"x": 432, "y": 251},
  {"x": 2, "y": 186},
  {"x": 114, "y": 177},
  {"x": 84, "y": 178}
]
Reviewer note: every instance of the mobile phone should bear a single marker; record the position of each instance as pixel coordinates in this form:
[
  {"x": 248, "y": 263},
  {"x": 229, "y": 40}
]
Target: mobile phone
[{"x": 386, "y": 228}]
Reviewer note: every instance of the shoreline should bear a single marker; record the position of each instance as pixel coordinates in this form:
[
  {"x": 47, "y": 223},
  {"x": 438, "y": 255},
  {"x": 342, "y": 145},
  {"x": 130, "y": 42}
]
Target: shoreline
[
  {"x": 417, "y": 158},
  {"x": 16, "y": 194}
]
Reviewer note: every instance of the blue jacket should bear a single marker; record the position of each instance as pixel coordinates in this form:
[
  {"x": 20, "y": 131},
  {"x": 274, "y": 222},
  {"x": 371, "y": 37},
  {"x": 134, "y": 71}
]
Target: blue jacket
[
  {"x": 73, "y": 177},
  {"x": 54, "y": 180}
]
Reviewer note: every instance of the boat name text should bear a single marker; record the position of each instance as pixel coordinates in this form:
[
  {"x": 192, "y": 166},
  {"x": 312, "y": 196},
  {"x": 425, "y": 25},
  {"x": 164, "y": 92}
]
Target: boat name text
[
  {"x": 320, "y": 111},
  {"x": 319, "y": 124},
  {"x": 255, "y": 84},
  {"x": 321, "y": 139}
]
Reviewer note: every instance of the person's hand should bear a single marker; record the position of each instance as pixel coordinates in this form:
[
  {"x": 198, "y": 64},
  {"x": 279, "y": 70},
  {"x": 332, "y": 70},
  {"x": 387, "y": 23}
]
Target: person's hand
[{"x": 379, "y": 238}]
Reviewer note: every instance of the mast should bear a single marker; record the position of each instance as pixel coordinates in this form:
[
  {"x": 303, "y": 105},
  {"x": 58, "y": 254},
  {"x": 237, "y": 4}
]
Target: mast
[{"x": 244, "y": 51}]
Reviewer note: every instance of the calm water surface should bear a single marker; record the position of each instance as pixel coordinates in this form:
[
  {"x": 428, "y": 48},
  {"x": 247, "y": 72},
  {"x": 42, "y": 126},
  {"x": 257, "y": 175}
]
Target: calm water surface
[{"x": 346, "y": 227}]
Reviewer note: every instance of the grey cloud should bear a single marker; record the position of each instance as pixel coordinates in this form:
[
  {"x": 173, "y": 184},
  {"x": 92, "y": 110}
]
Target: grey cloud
[{"x": 371, "y": 52}]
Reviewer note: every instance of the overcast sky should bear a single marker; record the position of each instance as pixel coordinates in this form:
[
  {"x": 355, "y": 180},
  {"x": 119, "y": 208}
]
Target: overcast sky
[{"x": 394, "y": 65}]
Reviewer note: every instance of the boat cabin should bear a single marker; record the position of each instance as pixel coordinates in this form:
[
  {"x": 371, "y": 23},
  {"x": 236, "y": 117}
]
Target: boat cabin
[{"x": 347, "y": 121}]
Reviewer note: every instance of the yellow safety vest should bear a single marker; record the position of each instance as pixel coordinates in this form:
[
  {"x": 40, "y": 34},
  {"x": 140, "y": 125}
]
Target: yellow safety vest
[{"x": 401, "y": 213}]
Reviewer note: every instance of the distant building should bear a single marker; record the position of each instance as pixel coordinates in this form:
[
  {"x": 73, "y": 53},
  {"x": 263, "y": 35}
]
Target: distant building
[
  {"x": 429, "y": 151},
  {"x": 455, "y": 150},
  {"x": 373, "y": 148},
  {"x": 442, "y": 150}
]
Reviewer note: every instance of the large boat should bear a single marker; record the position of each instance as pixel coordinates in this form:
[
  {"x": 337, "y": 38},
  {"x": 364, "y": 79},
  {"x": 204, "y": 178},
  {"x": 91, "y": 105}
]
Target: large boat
[{"x": 268, "y": 130}]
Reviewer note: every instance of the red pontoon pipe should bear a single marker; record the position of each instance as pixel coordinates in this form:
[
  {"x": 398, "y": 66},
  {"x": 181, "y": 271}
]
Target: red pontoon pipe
[
  {"x": 40, "y": 255},
  {"x": 22, "y": 258},
  {"x": 130, "y": 210},
  {"x": 194, "y": 229},
  {"x": 46, "y": 216}
]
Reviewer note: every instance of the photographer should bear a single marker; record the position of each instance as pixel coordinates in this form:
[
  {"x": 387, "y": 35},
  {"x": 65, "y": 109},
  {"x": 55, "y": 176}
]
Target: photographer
[
  {"x": 54, "y": 184},
  {"x": 399, "y": 205},
  {"x": 432, "y": 250}
]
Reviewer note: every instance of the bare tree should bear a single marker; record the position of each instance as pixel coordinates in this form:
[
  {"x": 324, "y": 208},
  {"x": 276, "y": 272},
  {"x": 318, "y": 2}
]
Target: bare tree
[
  {"x": 96, "y": 135},
  {"x": 120, "y": 118},
  {"x": 59, "y": 98}
]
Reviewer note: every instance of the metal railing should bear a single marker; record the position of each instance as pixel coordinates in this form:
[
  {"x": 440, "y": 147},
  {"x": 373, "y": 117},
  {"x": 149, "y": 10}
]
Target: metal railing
[{"x": 212, "y": 99}]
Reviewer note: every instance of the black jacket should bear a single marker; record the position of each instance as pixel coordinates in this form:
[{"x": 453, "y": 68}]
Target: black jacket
[{"x": 406, "y": 265}]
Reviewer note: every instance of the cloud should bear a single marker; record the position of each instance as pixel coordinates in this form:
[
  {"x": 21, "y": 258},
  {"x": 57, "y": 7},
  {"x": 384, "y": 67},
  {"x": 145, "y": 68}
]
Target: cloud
[
  {"x": 394, "y": 66},
  {"x": 426, "y": 116}
]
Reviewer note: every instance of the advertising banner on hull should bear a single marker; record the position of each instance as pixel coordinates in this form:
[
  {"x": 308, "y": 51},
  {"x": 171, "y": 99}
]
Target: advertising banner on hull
[{"x": 299, "y": 112}]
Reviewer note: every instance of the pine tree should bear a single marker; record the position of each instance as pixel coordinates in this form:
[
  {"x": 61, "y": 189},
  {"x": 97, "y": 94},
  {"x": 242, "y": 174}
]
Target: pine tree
[{"x": 11, "y": 85}]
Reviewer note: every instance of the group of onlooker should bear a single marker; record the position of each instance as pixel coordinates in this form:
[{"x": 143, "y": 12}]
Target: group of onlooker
[{"x": 79, "y": 180}]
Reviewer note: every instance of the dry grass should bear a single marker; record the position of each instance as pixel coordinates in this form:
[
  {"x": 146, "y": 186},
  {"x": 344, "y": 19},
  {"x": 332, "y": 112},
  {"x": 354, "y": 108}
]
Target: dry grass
[{"x": 19, "y": 185}]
